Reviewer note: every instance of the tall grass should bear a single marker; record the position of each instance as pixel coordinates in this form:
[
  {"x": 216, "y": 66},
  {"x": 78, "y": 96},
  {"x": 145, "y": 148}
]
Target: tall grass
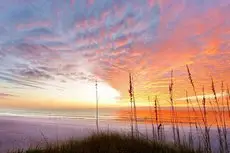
[
  {"x": 176, "y": 131},
  {"x": 190, "y": 136},
  {"x": 161, "y": 126},
  {"x": 131, "y": 103},
  {"x": 200, "y": 138},
  {"x": 227, "y": 100},
  {"x": 220, "y": 120},
  {"x": 156, "y": 118},
  {"x": 172, "y": 107},
  {"x": 206, "y": 135},
  {"x": 134, "y": 107},
  {"x": 224, "y": 128},
  {"x": 151, "y": 118},
  {"x": 194, "y": 90}
]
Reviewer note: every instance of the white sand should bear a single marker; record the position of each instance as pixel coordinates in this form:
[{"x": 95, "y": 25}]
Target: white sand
[{"x": 23, "y": 132}]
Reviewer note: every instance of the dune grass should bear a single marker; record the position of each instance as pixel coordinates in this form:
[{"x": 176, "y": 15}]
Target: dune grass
[{"x": 109, "y": 143}]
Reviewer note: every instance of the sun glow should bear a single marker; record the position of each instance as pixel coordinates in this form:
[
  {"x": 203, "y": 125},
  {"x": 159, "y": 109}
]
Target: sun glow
[{"x": 85, "y": 93}]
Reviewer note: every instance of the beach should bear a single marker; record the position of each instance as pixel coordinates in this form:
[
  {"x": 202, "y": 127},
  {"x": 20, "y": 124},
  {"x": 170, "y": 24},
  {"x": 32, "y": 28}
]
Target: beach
[{"x": 24, "y": 132}]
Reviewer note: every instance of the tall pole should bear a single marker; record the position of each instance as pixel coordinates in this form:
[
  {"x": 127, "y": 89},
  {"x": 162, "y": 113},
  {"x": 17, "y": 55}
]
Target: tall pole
[{"x": 97, "y": 122}]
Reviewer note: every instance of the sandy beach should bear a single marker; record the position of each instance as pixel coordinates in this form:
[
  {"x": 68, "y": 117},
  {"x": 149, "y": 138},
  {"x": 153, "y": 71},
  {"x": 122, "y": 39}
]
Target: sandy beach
[{"x": 23, "y": 132}]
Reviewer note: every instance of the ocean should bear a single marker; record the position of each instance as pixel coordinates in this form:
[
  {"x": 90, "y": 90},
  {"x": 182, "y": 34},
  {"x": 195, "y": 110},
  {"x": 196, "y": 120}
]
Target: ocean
[{"x": 86, "y": 114}]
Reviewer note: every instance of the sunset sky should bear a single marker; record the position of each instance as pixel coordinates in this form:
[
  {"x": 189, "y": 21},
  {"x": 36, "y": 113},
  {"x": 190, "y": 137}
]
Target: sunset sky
[{"x": 52, "y": 51}]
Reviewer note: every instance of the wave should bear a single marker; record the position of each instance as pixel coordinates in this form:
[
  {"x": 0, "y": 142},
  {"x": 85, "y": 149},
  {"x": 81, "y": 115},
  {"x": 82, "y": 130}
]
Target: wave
[{"x": 57, "y": 114}]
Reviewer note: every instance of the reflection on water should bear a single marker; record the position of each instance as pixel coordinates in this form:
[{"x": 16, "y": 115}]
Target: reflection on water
[
  {"x": 191, "y": 127},
  {"x": 183, "y": 117}
]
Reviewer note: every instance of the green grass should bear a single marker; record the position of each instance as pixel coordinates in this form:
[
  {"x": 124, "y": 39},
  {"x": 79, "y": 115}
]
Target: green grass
[{"x": 109, "y": 143}]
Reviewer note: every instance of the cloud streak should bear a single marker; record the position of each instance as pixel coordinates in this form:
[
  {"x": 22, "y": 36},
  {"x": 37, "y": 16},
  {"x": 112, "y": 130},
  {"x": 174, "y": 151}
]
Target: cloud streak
[
  {"x": 5, "y": 95},
  {"x": 207, "y": 96}
]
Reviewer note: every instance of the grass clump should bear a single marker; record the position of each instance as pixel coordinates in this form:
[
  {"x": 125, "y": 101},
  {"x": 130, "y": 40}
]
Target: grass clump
[{"x": 110, "y": 143}]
